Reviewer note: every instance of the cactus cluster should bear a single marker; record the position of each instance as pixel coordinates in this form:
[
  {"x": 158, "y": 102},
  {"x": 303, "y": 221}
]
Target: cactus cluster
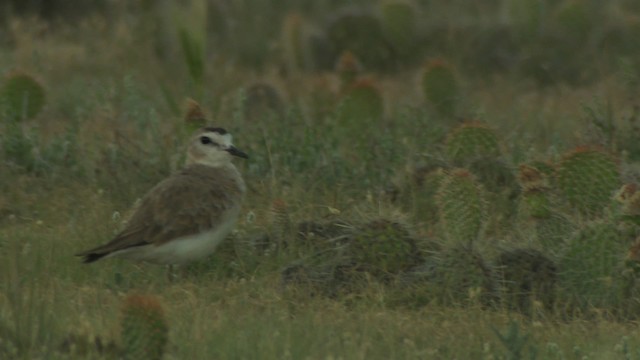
[
  {"x": 440, "y": 87},
  {"x": 476, "y": 146},
  {"x": 144, "y": 331},
  {"x": 21, "y": 97},
  {"x": 462, "y": 206},
  {"x": 588, "y": 179}
]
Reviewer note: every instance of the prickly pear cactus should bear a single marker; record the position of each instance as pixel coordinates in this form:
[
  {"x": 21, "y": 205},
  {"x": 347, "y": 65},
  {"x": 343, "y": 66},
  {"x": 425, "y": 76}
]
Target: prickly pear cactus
[
  {"x": 144, "y": 328},
  {"x": 440, "y": 87},
  {"x": 588, "y": 179},
  {"x": 574, "y": 19},
  {"x": 296, "y": 53},
  {"x": 361, "y": 33},
  {"x": 470, "y": 141},
  {"x": 539, "y": 202},
  {"x": 591, "y": 267},
  {"x": 399, "y": 24},
  {"x": 535, "y": 192},
  {"x": 383, "y": 248},
  {"x": 628, "y": 198},
  {"x": 527, "y": 17},
  {"x": 475, "y": 146},
  {"x": 21, "y": 97},
  {"x": 362, "y": 102},
  {"x": 462, "y": 207},
  {"x": 348, "y": 68},
  {"x": 416, "y": 192}
]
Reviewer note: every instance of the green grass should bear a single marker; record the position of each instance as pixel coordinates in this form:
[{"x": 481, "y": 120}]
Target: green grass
[{"x": 112, "y": 127}]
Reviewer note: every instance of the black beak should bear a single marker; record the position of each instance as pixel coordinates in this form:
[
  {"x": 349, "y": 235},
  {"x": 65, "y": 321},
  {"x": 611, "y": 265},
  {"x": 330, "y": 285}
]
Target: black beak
[{"x": 235, "y": 152}]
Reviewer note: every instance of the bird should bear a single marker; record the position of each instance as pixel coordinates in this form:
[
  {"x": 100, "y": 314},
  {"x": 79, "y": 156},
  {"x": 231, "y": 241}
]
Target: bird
[{"x": 187, "y": 215}]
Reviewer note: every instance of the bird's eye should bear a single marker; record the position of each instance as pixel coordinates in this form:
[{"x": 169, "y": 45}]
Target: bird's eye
[{"x": 204, "y": 140}]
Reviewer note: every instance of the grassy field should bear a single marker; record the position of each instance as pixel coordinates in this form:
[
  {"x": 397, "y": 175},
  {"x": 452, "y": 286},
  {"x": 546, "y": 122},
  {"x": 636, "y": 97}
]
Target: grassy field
[{"x": 427, "y": 179}]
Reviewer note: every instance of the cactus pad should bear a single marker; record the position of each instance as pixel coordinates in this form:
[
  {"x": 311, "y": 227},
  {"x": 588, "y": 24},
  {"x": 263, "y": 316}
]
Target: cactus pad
[
  {"x": 470, "y": 141},
  {"x": 440, "y": 87},
  {"x": 383, "y": 247},
  {"x": 144, "y": 328},
  {"x": 361, "y": 102},
  {"x": 588, "y": 179},
  {"x": 461, "y": 206},
  {"x": 591, "y": 265},
  {"x": 399, "y": 25},
  {"x": 348, "y": 68},
  {"x": 21, "y": 97}
]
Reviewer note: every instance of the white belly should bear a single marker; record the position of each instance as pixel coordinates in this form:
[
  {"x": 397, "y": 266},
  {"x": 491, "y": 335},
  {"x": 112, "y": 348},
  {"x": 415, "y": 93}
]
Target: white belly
[{"x": 181, "y": 250}]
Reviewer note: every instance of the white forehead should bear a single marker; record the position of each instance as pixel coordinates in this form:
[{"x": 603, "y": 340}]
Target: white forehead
[{"x": 217, "y": 137}]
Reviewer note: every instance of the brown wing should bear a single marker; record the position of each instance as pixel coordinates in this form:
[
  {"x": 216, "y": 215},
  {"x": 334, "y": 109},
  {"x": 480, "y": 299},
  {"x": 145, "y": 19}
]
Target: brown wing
[{"x": 189, "y": 202}]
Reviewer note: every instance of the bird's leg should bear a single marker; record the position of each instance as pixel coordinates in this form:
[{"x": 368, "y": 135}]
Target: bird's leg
[{"x": 171, "y": 273}]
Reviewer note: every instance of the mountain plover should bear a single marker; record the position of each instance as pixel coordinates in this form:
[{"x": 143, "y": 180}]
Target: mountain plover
[{"x": 187, "y": 215}]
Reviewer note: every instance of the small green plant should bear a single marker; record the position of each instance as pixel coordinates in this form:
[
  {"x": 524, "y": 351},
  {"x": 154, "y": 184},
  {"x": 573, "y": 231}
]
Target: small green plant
[
  {"x": 588, "y": 179},
  {"x": 440, "y": 87},
  {"x": 145, "y": 331},
  {"x": 462, "y": 207},
  {"x": 22, "y": 97},
  {"x": 194, "y": 56},
  {"x": 515, "y": 342}
]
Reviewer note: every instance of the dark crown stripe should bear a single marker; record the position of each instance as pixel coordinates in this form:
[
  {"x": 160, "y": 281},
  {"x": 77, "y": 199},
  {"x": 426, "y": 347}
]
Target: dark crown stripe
[{"x": 218, "y": 130}]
